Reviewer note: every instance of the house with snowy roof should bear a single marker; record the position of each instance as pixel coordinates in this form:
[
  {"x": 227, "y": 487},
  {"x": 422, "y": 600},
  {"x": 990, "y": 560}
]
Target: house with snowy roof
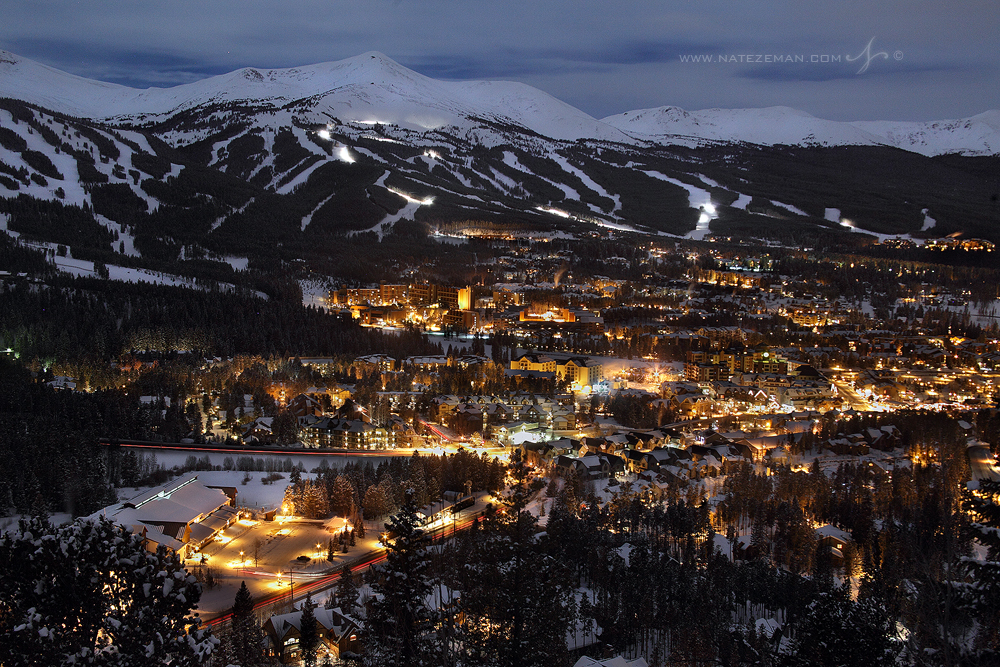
[
  {"x": 337, "y": 632},
  {"x": 834, "y": 539},
  {"x": 590, "y": 466}
]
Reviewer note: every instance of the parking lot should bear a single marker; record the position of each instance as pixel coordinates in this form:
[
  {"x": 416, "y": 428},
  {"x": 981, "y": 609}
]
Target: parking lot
[{"x": 271, "y": 556}]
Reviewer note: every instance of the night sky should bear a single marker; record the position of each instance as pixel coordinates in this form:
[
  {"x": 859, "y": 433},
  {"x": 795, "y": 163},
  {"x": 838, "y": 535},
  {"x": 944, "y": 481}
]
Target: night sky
[{"x": 942, "y": 60}]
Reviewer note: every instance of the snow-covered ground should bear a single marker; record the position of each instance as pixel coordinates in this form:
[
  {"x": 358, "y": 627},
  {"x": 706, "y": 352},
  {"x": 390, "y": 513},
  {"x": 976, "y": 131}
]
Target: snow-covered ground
[
  {"x": 371, "y": 88},
  {"x": 315, "y": 292},
  {"x": 10, "y": 522},
  {"x": 85, "y": 268},
  {"x": 699, "y": 199},
  {"x": 792, "y": 209},
  {"x": 170, "y": 458},
  {"x": 929, "y": 222}
]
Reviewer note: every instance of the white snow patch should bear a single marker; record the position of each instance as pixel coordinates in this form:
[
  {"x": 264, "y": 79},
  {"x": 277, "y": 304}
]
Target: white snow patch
[
  {"x": 308, "y": 218},
  {"x": 315, "y": 292},
  {"x": 708, "y": 181},
  {"x": 268, "y": 136},
  {"x": 138, "y": 139},
  {"x": 238, "y": 263},
  {"x": 4, "y": 221},
  {"x": 406, "y": 212},
  {"x": 221, "y": 148},
  {"x": 697, "y": 198},
  {"x": 221, "y": 219},
  {"x": 929, "y": 222},
  {"x": 301, "y": 178},
  {"x": 832, "y": 214},
  {"x": 789, "y": 207},
  {"x": 587, "y": 180}
]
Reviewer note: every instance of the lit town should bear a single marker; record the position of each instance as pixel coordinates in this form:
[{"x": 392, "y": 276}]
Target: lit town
[{"x": 363, "y": 363}]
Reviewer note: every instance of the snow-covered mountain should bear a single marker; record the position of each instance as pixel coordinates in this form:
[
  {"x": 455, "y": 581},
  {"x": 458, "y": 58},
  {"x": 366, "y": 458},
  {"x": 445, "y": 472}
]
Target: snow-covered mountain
[
  {"x": 766, "y": 127},
  {"x": 373, "y": 88},
  {"x": 978, "y": 135},
  {"x": 254, "y": 159},
  {"x": 370, "y": 88}
]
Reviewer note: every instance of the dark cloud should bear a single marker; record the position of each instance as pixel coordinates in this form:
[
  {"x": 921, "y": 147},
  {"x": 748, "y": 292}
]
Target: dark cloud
[
  {"x": 640, "y": 52},
  {"x": 837, "y": 71},
  {"x": 599, "y": 56},
  {"x": 128, "y": 67},
  {"x": 459, "y": 68}
]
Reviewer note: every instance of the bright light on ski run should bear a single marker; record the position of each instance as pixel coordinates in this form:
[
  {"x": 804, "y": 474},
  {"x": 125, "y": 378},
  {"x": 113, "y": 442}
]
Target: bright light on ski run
[
  {"x": 434, "y": 155},
  {"x": 324, "y": 134},
  {"x": 554, "y": 211},
  {"x": 426, "y": 201},
  {"x": 383, "y": 139},
  {"x": 345, "y": 155}
]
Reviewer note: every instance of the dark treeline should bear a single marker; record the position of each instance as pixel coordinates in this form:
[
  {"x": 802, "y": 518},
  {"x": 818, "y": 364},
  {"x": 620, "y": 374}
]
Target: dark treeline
[
  {"x": 81, "y": 317},
  {"x": 362, "y": 489},
  {"x": 49, "y": 456}
]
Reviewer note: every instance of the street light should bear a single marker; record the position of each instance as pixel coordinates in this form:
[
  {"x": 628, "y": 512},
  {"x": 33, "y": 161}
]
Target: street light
[{"x": 242, "y": 561}]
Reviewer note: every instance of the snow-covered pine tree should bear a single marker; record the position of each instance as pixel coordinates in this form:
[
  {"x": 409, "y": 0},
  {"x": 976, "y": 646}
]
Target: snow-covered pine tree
[
  {"x": 90, "y": 592},
  {"x": 983, "y": 593},
  {"x": 400, "y": 624},
  {"x": 308, "y": 632},
  {"x": 246, "y": 635},
  {"x": 347, "y": 591},
  {"x": 517, "y": 605}
]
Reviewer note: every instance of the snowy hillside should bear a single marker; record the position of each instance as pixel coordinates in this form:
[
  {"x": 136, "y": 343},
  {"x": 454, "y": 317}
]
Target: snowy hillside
[
  {"x": 372, "y": 88},
  {"x": 770, "y": 126},
  {"x": 239, "y": 164},
  {"x": 979, "y": 135}
]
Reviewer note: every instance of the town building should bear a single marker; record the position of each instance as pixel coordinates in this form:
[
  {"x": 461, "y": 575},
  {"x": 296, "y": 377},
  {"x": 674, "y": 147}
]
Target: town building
[{"x": 182, "y": 515}]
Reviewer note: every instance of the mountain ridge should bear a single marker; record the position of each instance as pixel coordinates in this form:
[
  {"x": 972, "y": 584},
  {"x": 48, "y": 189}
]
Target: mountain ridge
[
  {"x": 288, "y": 161},
  {"x": 426, "y": 103}
]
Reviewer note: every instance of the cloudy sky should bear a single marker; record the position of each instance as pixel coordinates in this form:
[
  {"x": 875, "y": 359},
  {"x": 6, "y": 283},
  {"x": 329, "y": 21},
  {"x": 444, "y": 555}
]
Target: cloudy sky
[{"x": 928, "y": 60}]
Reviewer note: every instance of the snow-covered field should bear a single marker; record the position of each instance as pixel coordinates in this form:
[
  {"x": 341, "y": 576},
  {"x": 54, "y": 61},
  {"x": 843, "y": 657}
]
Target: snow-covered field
[
  {"x": 170, "y": 458},
  {"x": 371, "y": 88},
  {"x": 254, "y": 493}
]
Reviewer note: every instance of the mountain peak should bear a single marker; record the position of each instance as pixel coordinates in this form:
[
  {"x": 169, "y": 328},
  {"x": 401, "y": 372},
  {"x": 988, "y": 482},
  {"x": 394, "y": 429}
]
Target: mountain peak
[{"x": 373, "y": 86}]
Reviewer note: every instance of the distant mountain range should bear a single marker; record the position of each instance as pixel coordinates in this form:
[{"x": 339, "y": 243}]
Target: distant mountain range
[{"x": 254, "y": 159}]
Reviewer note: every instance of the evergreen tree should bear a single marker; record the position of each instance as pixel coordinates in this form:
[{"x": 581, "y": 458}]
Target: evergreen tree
[
  {"x": 983, "y": 595},
  {"x": 400, "y": 621},
  {"x": 243, "y": 604},
  {"x": 246, "y": 638},
  {"x": 837, "y": 632},
  {"x": 517, "y": 601},
  {"x": 308, "y": 632},
  {"x": 342, "y": 496},
  {"x": 83, "y": 590},
  {"x": 346, "y": 595}
]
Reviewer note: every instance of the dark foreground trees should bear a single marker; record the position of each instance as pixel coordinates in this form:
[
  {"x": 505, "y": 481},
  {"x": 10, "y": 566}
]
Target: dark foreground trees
[
  {"x": 516, "y": 598},
  {"x": 401, "y": 622},
  {"x": 242, "y": 642},
  {"x": 90, "y": 593}
]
